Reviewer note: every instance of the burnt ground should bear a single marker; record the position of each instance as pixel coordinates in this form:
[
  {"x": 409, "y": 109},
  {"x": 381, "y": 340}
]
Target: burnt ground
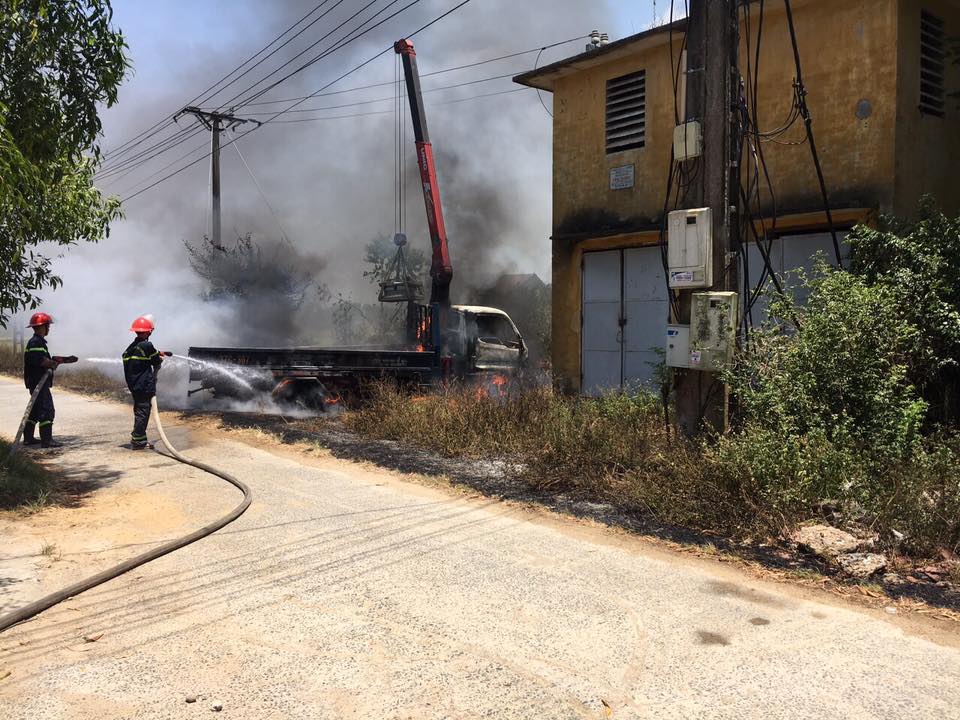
[{"x": 499, "y": 478}]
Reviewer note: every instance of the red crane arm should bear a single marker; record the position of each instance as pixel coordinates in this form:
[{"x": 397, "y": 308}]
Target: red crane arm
[{"x": 441, "y": 271}]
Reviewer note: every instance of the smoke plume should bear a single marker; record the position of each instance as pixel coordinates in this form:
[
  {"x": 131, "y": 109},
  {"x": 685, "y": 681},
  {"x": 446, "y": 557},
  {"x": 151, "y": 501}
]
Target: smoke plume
[{"x": 331, "y": 183}]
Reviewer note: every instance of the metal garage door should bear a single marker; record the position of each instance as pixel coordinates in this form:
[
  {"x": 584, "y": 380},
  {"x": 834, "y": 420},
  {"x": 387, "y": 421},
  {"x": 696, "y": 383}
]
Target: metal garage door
[
  {"x": 600, "y": 346},
  {"x": 788, "y": 254},
  {"x": 645, "y": 309},
  {"x": 624, "y": 319}
]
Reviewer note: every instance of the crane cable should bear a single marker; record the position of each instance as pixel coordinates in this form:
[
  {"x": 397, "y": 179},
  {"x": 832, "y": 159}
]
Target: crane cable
[{"x": 35, "y": 608}]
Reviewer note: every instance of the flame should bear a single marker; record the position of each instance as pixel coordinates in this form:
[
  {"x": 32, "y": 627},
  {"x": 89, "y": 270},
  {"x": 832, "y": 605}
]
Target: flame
[
  {"x": 494, "y": 387},
  {"x": 423, "y": 334},
  {"x": 332, "y": 399},
  {"x": 282, "y": 384}
]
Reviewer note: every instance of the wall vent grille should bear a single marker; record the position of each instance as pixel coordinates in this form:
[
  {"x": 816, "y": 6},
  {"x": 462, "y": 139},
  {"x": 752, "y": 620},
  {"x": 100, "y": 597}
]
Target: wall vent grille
[
  {"x": 626, "y": 112},
  {"x": 932, "y": 60}
]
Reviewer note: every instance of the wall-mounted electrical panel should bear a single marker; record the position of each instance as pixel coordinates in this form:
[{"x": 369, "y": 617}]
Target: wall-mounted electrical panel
[
  {"x": 687, "y": 141},
  {"x": 690, "y": 248},
  {"x": 678, "y": 346},
  {"x": 713, "y": 330}
]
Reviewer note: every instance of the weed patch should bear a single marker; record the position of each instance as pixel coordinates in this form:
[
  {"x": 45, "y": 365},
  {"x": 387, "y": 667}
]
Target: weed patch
[
  {"x": 24, "y": 484},
  {"x": 753, "y": 483},
  {"x": 11, "y": 362},
  {"x": 90, "y": 382}
]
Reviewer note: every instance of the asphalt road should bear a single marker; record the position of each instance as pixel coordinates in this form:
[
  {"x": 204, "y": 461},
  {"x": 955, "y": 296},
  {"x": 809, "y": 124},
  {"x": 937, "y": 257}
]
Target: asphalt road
[{"x": 345, "y": 592}]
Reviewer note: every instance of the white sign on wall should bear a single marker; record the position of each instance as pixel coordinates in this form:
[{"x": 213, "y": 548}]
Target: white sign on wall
[{"x": 621, "y": 177}]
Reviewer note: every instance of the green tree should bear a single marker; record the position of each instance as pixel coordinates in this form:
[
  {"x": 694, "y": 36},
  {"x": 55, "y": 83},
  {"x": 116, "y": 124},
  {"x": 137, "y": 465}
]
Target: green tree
[{"x": 59, "y": 60}]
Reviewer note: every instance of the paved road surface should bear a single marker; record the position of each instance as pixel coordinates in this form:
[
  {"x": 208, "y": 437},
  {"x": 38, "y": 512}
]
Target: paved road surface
[{"x": 345, "y": 593}]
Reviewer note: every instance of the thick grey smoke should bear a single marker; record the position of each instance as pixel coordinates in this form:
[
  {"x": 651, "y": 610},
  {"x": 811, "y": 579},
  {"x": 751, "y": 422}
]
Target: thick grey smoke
[{"x": 330, "y": 183}]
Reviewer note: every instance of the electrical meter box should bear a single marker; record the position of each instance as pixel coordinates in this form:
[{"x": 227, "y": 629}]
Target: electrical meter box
[
  {"x": 678, "y": 346},
  {"x": 713, "y": 330},
  {"x": 690, "y": 248},
  {"x": 687, "y": 141}
]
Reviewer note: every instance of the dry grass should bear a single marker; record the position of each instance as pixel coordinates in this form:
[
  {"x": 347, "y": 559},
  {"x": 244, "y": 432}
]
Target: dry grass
[
  {"x": 613, "y": 448},
  {"x": 616, "y": 449},
  {"x": 11, "y": 362},
  {"x": 24, "y": 484},
  {"x": 89, "y": 381}
]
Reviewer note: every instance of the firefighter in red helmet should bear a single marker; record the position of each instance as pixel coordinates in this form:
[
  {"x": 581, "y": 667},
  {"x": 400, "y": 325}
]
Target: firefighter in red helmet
[
  {"x": 141, "y": 361},
  {"x": 36, "y": 362}
]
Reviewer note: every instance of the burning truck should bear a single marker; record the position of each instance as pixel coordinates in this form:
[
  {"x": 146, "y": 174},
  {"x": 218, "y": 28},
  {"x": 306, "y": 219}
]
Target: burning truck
[{"x": 444, "y": 342}]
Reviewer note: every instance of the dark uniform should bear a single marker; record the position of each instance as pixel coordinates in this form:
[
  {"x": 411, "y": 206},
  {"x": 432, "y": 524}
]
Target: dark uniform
[
  {"x": 140, "y": 364},
  {"x": 42, "y": 414}
]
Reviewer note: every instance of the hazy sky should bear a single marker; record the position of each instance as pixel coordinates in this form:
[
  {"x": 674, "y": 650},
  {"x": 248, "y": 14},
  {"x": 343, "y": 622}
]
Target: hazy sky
[{"x": 331, "y": 182}]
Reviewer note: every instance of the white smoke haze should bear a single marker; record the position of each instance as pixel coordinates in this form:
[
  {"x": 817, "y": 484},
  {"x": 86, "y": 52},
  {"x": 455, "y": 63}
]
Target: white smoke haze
[{"x": 331, "y": 183}]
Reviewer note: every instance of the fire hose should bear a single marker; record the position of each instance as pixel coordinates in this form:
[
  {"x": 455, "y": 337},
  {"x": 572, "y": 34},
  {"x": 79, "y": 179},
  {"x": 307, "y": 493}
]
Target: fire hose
[
  {"x": 26, "y": 413},
  {"x": 44, "y": 603}
]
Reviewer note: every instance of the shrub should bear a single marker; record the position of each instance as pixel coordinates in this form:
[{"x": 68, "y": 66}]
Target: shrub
[
  {"x": 918, "y": 263},
  {"x": 829, "y": 415},
  {"x": 840, "y": 370}
]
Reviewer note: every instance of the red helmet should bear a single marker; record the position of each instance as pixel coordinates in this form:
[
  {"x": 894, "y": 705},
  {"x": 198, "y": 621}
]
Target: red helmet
[
  {"x": 144, "y": 323},
  {"x": 40, "y": 318}
]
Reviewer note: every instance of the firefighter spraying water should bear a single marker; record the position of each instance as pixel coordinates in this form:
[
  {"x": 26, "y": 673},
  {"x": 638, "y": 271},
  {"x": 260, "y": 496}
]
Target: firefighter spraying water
[
  {"x": 141, "y": 362},
  {"x": 38, "y": 369}
]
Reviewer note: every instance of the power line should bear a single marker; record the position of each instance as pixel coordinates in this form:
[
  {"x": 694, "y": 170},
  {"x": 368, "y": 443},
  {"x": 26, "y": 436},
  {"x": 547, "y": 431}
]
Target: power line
[
  {"x": 429, "y": 74},
  {"x": 801, "y": 93},
  {"x": 170, "y": 164},
  {"x": 331, "y": 117},
  {"x": 331, "y": 83},
  {"x": 158, "y": 148},
  {"x": 321, "y": 55},
  {"x": 156, "y": 127},
  {"x": 344, "y": 42},
  {"x": 283, "y": 233},
  {"x": 388, "y": 112},
  {"x": 539, "y": 96},
  {"x": 272, "y": 52},
  {"x": 128, "y": 165},
  {"x": 393, "y": 98}
]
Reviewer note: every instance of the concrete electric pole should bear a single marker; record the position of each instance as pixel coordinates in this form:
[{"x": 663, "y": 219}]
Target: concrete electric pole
[
  {"x": 712, "y": 87},
  {"x": 214, "y": 122}
]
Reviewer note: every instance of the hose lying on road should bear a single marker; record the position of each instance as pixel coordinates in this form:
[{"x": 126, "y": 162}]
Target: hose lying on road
[
  {"x": 26, "y": 413},
  {"x": 34, "y": 608}
]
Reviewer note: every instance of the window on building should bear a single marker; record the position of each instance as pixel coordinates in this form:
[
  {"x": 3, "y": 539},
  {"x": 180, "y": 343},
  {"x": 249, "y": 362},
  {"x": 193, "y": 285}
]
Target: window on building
[
  {"x": 626, "y": 112},
  {"x": 932, "y": 57}
]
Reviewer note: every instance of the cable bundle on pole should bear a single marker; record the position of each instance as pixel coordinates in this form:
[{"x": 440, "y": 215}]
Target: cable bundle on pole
[{"x": 801, "y": 93}]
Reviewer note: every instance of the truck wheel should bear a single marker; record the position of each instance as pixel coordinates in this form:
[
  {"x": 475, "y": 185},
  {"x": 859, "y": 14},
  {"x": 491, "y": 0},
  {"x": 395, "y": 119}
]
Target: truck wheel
[{"x": 308, "y": 394}]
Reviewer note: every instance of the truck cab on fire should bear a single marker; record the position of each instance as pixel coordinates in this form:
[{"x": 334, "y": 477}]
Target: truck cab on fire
[{"x": 497, "y": 345}]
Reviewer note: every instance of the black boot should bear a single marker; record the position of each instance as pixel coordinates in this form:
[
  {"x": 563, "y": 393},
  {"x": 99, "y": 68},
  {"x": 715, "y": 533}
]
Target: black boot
[
  {"x": 28, "y": 437},
  {"x": 46, "y": 437}
]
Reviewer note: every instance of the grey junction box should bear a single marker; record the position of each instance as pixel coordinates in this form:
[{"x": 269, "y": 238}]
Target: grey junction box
[{"x": 678, "y": 346}]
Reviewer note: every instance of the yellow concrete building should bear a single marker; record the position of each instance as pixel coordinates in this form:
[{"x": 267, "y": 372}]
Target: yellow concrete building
[{"x": 879, "y": 81}]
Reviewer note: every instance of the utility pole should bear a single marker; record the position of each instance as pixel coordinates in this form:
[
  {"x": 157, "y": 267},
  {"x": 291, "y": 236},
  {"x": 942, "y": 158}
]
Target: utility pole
[
  {"x": 214, "y": 122},
  {"x": 712, "y": 86}
]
